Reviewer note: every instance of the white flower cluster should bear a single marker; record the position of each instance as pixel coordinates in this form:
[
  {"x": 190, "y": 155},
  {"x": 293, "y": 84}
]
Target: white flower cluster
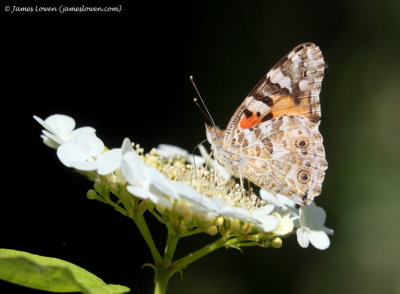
[{"x": 83, "y": 150}]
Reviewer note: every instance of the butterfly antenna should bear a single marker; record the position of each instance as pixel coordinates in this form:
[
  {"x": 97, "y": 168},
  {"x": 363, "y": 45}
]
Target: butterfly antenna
[{"x": 203, "y": 109}]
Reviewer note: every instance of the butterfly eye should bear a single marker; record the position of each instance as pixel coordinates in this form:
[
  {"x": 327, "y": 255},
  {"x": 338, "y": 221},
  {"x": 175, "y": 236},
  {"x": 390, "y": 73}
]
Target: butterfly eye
[
  {"x": 302, "y": 143},
  {"x": 303, "y": 176}
]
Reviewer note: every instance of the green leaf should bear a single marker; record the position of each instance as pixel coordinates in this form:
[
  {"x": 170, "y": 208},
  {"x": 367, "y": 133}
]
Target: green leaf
[{"x": 51, "y": 274}]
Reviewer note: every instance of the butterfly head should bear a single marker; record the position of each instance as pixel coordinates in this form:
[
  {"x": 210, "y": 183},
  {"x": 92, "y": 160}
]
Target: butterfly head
[{"x": 214, "y": 135}]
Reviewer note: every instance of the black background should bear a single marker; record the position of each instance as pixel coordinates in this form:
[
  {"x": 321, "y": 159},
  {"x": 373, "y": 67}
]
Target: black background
[{"x": 126, "y": 74}]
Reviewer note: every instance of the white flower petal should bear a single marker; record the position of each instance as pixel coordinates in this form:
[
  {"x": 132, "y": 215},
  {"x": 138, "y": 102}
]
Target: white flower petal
[
  {"x": 268, "y": 196},
  {"x": 199, "y": 202},
  {"x": 85, "y": 165},
  {"x": 90, "y": 143},
  {"x": 319, "y": 239},
  {"x": 187, "y": 192},
  {"x": 157, "y": 183},
  {"x": 167, "y": 150},
  {"x": 139, "y": 192},
  {"x": 126, "y": 146},
  {"x": 40, "y": 121},
  {"x": 278, "y": 200},
  {"x": 171, "y": 150},
  {"x": 69, "y": 152},
  {"x": 138, "y": 173},
  {"x": 238, "y": 213},
  {"x": 145, "y": 194},
  {"x": 161, "y": 189},
  {"x": 109, "y": 161},
  {"x": 44, "y": 124},
  {"x": 286, "y": 201},
  {"x": 195, "y": 159},
  {"x": 312, "y": 216},
  {"x": 268, "y": 223},
  {"x": 261, "y": 211},
  {"x": 328, "y": 230},
  {"x": 60, "y": 124},
  {"x": 82, "y": 130},
  {"x": 285, "y": 225},
  {"x": 265, "y": 221},
  {"x": 133, "y": 169},
  {"x": 302, "y": 237},
  {"x": 57, "y": 140},
  {"x": 222, "y": 171},
  {"x": 49, "y": 142}
]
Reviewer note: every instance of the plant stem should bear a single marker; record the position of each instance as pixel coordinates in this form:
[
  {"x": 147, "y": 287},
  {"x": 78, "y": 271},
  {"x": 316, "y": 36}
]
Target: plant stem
[
  {"x": 170, "y": 247},
  {"x": 144, "y": 230},
  {"x": 161, "y": 281},
  {"x": 185, "y": 261},
  {"x": 192, "y": 232}
]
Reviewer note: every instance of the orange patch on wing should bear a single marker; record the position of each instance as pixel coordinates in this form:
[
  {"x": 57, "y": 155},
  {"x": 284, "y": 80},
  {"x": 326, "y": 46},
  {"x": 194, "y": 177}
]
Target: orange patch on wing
[
  {"x": 286, "y": 105},
  {"x": 248, "y": 122}
]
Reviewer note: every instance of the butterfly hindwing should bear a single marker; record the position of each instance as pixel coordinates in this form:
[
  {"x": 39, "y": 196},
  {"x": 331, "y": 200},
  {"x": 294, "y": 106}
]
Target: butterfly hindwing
[{"x": 284, "y": 155}]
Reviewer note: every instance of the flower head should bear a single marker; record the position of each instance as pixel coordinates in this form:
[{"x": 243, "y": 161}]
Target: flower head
[
  {"x": 171, "y": 182},
  {"x": 190, "y": 195}
]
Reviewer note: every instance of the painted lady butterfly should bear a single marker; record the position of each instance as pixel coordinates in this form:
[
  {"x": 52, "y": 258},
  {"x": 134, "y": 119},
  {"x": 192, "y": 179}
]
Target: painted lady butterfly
[{"x": 272, "y": 139}]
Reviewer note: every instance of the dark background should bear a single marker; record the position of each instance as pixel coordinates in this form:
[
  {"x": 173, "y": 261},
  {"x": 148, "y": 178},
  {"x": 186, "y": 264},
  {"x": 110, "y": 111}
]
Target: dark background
[{"x": 126, "y": 74}]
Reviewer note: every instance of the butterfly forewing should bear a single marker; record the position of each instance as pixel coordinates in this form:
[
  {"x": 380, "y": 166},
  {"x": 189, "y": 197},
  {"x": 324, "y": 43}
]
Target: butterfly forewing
[{"x": 292, "y": 86}]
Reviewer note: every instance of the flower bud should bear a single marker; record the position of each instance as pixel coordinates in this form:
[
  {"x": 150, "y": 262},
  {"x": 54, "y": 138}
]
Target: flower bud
[
  {"x": 91, "y": 194},
  {"x": 235, "y": 225},
  {"x": 246, "y": 228},
  {"x": 219, "y": 221},
  {"x": 276, "y": 243},
  {"x": 212, "y": 230}
]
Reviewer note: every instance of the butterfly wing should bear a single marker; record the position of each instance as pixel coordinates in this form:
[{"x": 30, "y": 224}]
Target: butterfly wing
[
  {"x": 284, "y": 156},
  {"x": 291, "y": 87}
]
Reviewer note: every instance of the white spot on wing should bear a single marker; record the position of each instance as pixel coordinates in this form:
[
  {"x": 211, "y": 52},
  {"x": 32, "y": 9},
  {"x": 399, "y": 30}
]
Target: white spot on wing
[
  {"x": 278, "y": 77},
  {"x": 303, "y": 85},
  {"x": 310, "y": 54}
]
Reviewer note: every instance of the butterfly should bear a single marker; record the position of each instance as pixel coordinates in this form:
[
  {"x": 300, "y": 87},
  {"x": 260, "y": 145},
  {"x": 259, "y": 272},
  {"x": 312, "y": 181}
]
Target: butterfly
[{"x": 273, "y": 139}]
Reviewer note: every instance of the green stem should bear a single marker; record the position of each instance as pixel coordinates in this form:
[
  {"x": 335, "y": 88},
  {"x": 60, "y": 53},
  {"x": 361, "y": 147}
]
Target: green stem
[
  {"x": 163, "y": 271},
  {"x": 114, "y": 205},
  {"x": 192, "y": 232},
  {"x": 144, "y": 230},
  {"x": 161, "y": 281},
  {"x": 157, "y": 216},
  {"x": 188, "y": 259},
  {"x": 170, "y": 247}
]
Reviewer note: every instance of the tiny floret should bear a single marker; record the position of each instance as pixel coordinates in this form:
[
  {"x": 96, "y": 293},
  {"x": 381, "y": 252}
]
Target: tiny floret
[
  {"x": 312, "y": 228},
  {"x": 60, "y": 128},
  {"x": 87, "y": 153}
]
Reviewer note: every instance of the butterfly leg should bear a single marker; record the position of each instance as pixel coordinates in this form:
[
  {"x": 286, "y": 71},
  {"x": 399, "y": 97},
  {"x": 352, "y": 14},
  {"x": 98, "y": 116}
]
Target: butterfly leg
[
  {"x": 241, "y": 179},
  {"x": 250, "y": 188}
]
